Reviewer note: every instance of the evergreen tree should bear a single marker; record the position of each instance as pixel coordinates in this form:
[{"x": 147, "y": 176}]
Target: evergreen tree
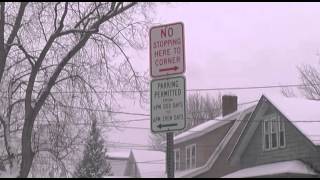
[{"x": 94, "y": 163}]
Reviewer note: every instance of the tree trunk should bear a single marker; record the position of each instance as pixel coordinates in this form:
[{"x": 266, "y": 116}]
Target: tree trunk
[{"x": 27, "y": 154}]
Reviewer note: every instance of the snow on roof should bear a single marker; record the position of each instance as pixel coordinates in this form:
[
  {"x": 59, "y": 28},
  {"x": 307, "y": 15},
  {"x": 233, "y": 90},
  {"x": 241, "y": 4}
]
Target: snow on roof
[
  {"x": 300, "y": 112},
  {"x": 118, "y": 166},
  {"x": 210, "y": 125},
  {"x": 119, "y": 154},
  {"x": 295, "y": 167},
  {"x": 151, "y": 164},
  {"x": 118, "y": 161}
]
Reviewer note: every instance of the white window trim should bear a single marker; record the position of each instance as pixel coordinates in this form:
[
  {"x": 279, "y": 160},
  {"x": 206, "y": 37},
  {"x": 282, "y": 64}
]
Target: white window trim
[
  {"x": 175, "y": 160},
  {"x": 281, "y": 120},
  {"x": 195, "y": 158},
  {"x": 274, "y": 119},
  {"x": 264, "y": 134},
  {"x": 269, "y": 119},
  {"x": 187, "y": 155}
]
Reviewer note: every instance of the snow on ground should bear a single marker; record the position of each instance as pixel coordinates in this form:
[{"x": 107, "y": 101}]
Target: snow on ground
[
  {"x": 295, "y": 167},
  {"x": 300, "y": 112}
]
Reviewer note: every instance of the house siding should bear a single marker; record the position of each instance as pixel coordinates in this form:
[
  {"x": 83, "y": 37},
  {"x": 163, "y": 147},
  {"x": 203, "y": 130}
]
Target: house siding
[
  {"x": 297, "y": 147},
  {"x": 248, "y": 150},
  {"x": 205, "y": 145},
  {"x": 222, "y": 166}
]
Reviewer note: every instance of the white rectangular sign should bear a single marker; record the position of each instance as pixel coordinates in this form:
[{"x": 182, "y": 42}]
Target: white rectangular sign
[
  {"x": 167, "y": 54},
  {"x": 168, "y": 104}
]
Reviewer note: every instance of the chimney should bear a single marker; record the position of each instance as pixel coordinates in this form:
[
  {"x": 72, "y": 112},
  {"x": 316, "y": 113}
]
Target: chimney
[{"x": 229, "y": 104}]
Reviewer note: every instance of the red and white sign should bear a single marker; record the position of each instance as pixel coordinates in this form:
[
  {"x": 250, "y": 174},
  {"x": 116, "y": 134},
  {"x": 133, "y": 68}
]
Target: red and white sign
[{"x": 167, "y": 54}]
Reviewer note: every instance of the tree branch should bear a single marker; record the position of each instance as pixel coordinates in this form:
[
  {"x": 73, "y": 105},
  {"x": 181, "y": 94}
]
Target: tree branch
[
  {"x": 5, "y": 135},
  {"x": 72, "y": 31},
  {"x": 17, "y": 25},
  {"x": 38, "y": 63},
  {"x": 2, "y": 45},
  {"x": 125, "y": 55}
]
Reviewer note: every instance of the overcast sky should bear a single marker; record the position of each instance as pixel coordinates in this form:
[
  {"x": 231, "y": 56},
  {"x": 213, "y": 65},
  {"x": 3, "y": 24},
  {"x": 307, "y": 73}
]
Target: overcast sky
[{"x": 235, "y": 45}]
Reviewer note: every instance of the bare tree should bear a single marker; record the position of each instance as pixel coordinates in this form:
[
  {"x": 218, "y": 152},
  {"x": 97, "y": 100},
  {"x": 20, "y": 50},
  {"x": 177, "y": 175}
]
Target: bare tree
[
  {"x": 310, "y": 78},
  {"x": 156, "y": 141},
  {"x": 202, "y": 108},
  {"x": 55, "y": 60},
  {"x": 288, "y": 92}
]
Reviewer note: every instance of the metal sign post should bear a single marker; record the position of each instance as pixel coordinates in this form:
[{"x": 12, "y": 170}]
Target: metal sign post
[
  {"x": 167, "y": 57},
  {"x": 170, "y": 155}
]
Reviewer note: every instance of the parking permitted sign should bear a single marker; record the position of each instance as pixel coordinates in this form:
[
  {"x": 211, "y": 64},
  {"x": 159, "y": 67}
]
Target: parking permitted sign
[
  {"x": 167, "y": 52},
  {"x": 168, "y": 104}
]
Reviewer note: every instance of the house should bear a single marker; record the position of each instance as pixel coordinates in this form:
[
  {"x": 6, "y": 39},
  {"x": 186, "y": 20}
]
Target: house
[
  {"x": 137, "y": 163},
  {"x": 123, "y": 164},
  {"x": 151, "y": 164},
  {"x": 276, "y": 137}
]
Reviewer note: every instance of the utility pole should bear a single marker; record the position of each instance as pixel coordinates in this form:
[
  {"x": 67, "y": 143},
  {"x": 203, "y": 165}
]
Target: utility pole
[{"x": 170, "y": 155}]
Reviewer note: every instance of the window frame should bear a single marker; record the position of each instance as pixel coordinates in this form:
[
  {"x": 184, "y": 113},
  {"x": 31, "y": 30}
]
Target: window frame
[
  {"x": 195, "y": 156},
  {"x": 282, "y": 121},
  {"x": 190, "y": 165},
  {"x": 264, "y": 133},
  {"x": 274, "y": 130},
  {"x": 177, "y": 151},
  {"x": 270, "y": 120},
  {"x": 187, "y": 166}
]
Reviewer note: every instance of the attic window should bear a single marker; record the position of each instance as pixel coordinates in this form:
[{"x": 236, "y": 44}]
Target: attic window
[
  {"x": 191, "y": 156},
  {"x": 266, "y": 135},
  {"x": 281, "y": 133},
  {"x": 177, "y": 159},
  {"x": 273, "y": 132}
]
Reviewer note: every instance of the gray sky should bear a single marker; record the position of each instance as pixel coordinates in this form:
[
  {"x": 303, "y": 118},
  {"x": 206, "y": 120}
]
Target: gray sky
[{"x": 235, "y": 44}]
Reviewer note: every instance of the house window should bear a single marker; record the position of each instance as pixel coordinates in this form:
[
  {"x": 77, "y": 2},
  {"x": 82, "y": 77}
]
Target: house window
[
  {"x": 273, "y": 133},
  {"x": 266, "y": 135},
  {"x": 281, "y": 134},
  {"x": 191, "y": 156},
  {"x": 177, "y": 159}
]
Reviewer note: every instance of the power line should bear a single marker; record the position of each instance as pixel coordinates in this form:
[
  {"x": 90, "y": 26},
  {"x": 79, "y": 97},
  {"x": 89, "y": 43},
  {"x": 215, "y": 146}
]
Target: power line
[
  {"x": 131, "y": 144},
  {"x": 195, "y": 89},
  {"x": 142, "y": 128},
  {"x": 253, "y": 87},
  {"x": 128, "y": 113},
  {"x": 200, "y": 89},
  {"x": 160, "y": 161},
  {"x": 100, "y": 110},
  {"x": 149, "y": 147},
  {"x": 133, "y": 120},
  {"x": 225, "y": 120}
]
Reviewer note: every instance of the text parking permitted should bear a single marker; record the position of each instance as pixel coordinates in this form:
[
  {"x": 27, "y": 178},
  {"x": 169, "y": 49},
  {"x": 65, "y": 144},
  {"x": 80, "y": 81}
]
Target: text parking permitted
[{"x": 168, "y": 104}]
